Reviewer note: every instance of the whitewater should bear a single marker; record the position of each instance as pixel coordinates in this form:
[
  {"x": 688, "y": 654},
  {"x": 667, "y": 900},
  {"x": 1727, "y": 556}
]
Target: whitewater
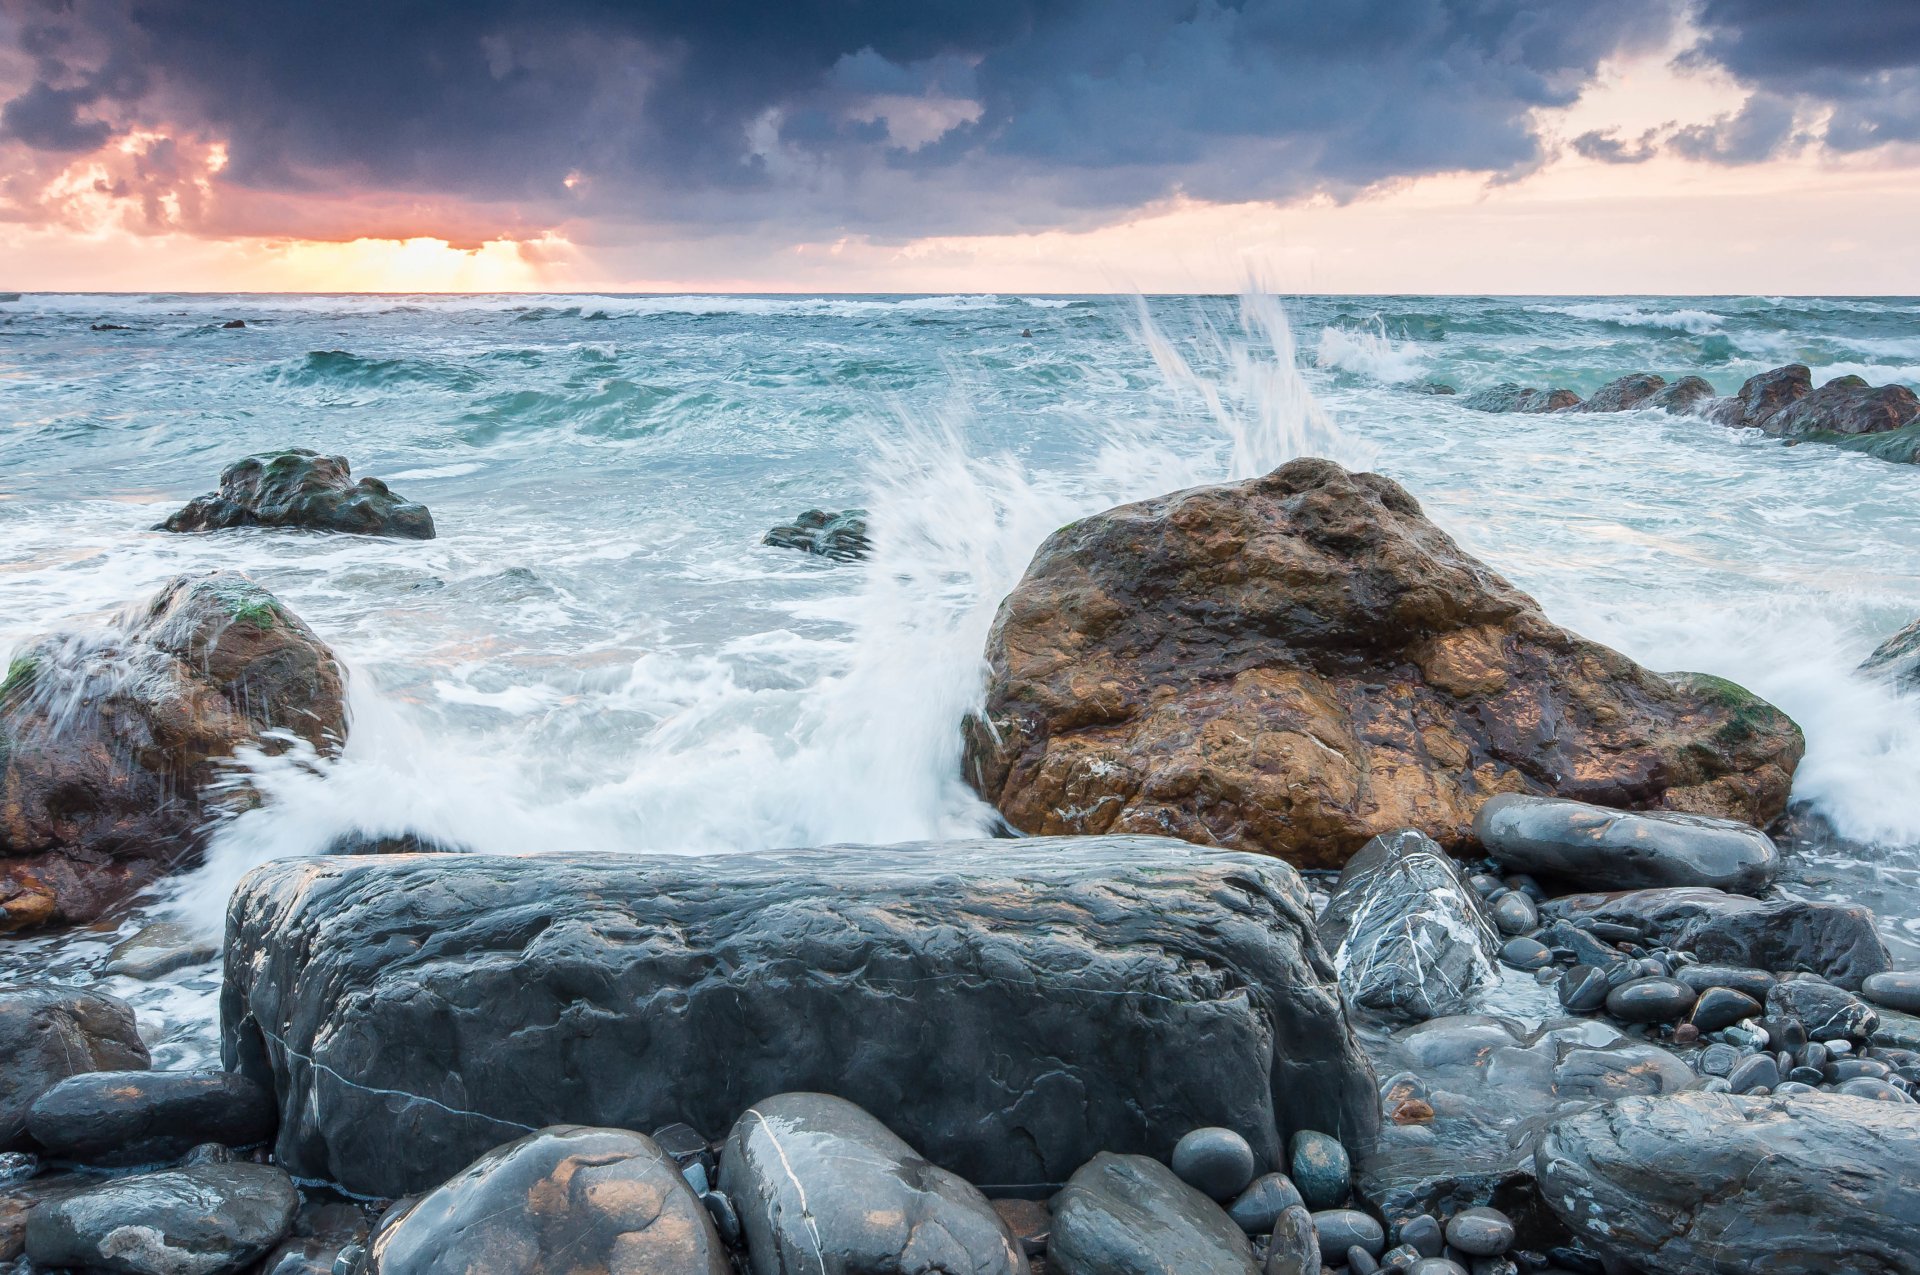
[{"x": 598, "y": 652}]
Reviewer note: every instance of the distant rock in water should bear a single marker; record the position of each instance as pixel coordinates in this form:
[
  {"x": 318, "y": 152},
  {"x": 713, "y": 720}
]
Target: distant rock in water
[
  {"x": 110, "y": 743},
  {"x": 1298, "y": 663},
  {"x": 841, "y": 536},
  {"x": 1508, "y": 397},
  {"x": 1682, "y": 397},
  {"x": 1626, "y": 393},
  {"x": 1846, "y": 405},
  {"x": 234, "y": 323},
  {"x": 1898, "y": 658},
  {"x": 302, "y": 489},
  {"x": 1437, "y": 388},
  {"x": 1763, "y": 395}
]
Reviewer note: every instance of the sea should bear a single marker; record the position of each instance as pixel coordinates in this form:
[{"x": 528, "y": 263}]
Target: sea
[{"x": 598, "y": 652}]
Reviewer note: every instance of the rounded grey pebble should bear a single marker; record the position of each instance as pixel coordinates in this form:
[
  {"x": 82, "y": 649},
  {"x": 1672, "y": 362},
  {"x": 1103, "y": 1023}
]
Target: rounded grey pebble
[
  {"x": 1214, "y": 1161},
  {"x": 1757, "y": 1072},
  {"x": 1792, "y": 1086},
  {"x": 1360, "y": 1262},
  {"x": 1321, "y": 1171},
  {"x": 1526, "y": 954},
  {"x": 1480, "y": 1232},
  {"x": 1436, "y": 1266},
  {"x": 1867, "y": 1087},
  {"x": 1583, "y": 989},
  {"x": 1424, "y": 1233},
  {"x": 1258, "y": 1207},
  {"x": 1515, "y": 914},
  {"x": 1399, "y": 1257},
  {"x": 1720, "y": 1007},
  {"x": 1295, "y": 1246},
  {"x": 1342, "y": 1229},
  {"x": 1650, "y": 1000}
]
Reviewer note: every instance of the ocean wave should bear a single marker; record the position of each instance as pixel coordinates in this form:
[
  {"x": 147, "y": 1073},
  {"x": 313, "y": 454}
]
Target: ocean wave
[
  {"x": 339, "y": 367},
  {"x": 1619, "y": 314},
  {"x": 1372, "y": 355}
]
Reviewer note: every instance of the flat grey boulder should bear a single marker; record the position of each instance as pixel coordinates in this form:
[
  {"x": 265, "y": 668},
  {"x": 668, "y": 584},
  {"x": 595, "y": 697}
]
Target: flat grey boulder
[
  {"x": 1595, "y": 848},
  {"x": 1713, "y": 1182},
  {"x": 1008, "y": 1008},
  {"x": 567, "y": 1198},
  {"x": 821, "y": 1185},
  {"x": 50, "y": 1033},
  {"x": 1410, "y": 938},
  {"x": 1129, "y": 1215},
  {"x": 200, "y": 1220},
  {"x": 142, "y": 1117}
]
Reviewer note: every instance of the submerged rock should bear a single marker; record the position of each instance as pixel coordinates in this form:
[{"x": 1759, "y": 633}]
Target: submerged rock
[
  {"x": 1716, "y": 1182},
  {"x": 1008, "y": 1008},
  {"x": 204, "y": 1219},
  {"x": 160, "y": 948},
  {"x": 1409, "y": 936},
  {"x": 1627, "y": 392},
  {"x": 143, "y": 1117},
  {"x": 584, "y": 1201},
  {"x": 301, "y": 489},
  {"x": 819, "y": 1183},
  {"x": 1835, "y": 941},
  {"x": 1128, "y": 1215},
  {"x": 1299, "y": 663},
  {"x": 50, "y": 1033},
  {"x": 1509, "y": 397},
  {"x": 112, "y": 743},
  {"x": 1898, "y": 658},
  {"x": 1594, "y": 848},
  {"x": 1682, "y": 397},
  {"x": 841, "y": 536}
]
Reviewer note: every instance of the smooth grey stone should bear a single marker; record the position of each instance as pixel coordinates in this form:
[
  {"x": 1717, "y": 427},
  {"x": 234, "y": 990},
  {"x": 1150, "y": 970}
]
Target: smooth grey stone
[
  {"x": 1494, "y": 1266},
  {"x": 1837, "y": 1048},
  {"x": 1718, "y": 1059},
  {"x": 1753, "y": 984},
  {"x": 48, "y": 1033},
  {"x": 726, "y": 1218},
  {"x": 1896, "y": 989},
  {"x": 1399, "y": 1259},
  {"x": 1595, "y": 848},
  {"x": 819, "y": 1181},
  {"x": 564, "y": 1198},
  {"x": 1867, "y": 1087},
  {"x": 1720, "y": 1007},
  {"x": 1436, "y": 1266},
  {"x": 143, "y": 1117},
  {"x": 1361, "y": 1262},
  {"x": 1341, "y": 1229},
  {"x": 1827, "y": 1012},
  {"x": 1525, "y": 954},
  {"x": 1838, "y": 940},
  {"x": 1854, "y": 1068},
  {"x": 1804, "y": 1076},
  {"x": 160, "y": 948},
  {"x": 1618, "y": 1069},
  {"x": 1424, "y": 1233},
  {"x": 1757, "y": 1072},
  {"x": 1787, "y": 1087},
  {"x": 1216, "y": 1162},
  {"x": 1129, "y": 1215},
  {"x": 1321, "y": 1171},
  {"x": 1295, "y": 1246},
  {"x": 1787, "y": 1033},
  {"x": 1650, "y": 1000},
  {"x": 1515, "y": 914},
  {"x": 1810, "y": 1182},
  {"x": 1584, "y": 989},
  {"x": 1408, "y": 934},
  {"x": 575, "y": 987},
  {"x": 1259, "y": 1206},
  {"x": 1480, "y": 1232},
  {"x": 1816, "y": 1054},
  {"x": 203, "y": 1220}
]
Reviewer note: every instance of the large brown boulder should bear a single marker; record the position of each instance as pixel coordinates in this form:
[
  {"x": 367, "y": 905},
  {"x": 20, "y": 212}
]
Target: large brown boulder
[
  {"x": 110, "y": 741},
  {"x": 1301, "y": 662}
]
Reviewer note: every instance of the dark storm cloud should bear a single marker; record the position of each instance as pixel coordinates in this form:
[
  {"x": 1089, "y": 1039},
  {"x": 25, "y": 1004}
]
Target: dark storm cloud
[
  {"x": 900, "y": 116},
  {"x": 1609, "y": 147}
]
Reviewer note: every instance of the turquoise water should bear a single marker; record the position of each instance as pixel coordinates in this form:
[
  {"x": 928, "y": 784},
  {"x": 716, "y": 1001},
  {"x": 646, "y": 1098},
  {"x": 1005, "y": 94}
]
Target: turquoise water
[{"x": 598, "y": 653}]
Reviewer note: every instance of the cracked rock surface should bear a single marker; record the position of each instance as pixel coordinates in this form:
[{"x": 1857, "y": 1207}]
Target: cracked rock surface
[
  {"x": 204, "y": 1219},
  {"x": 1008, "y": 1008}
]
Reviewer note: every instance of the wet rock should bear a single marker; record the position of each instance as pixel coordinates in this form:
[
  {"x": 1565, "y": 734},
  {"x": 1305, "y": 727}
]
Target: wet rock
[
  {"x": 1342, "y": 1229},
  {"x": 1320, "y": 1168},
  {"x": 1756, "y": 1071},
  {"x": 1423, "y": 1234},
  {"x": 1526, "y": 954},
  {"x": 1714, "y": 1182},
  {"x": 50, "y": 1033},
  {"x": 303, "y": 490},
  {"x": 1299, "y": 663},
  {"x": 1627, "y": 392},
  {"x": 1721, "y": 1007},
  {"x": 1594, "y": 848},
  {"x": 1748, "y": 982},
  {"x": 160, "y": 948},
  {"x": 204, "y": 1219},
  {"x": 1509, "y": 397},
  {"x": 1683, "y": 397},
  {"x": 1894, "y": 990},
  {"x": 142, "y": 1117},
  {"x": 1030, "y": 1222},
  {"x": 234, "y": 323},
  {"x": 1836, "y": 941},
  {"x": 1898, "y": 658},
  {"x": 1409, "y": 936},
  {"x": 1584, "y": 988},
  {"x": 1514, "y": 914},
  {"x": 1617, "y": 1070},
  {"x": 1295, "y": 1246},
  {"x": 1258, "y": 1208},
  {"x": 565, "y": 1198},
  {"x": 18, "y": 1199},
  {"x": 1129, "y": 1215},
  {"x": 112, "y": 742},
  {"x": 1216, "y": 1162},
  {"x": 537, "y": 995},
  {"x": 1827, "y": 1012},
  {"x": 1845, "y": 405},
  {"x": 1650, "y": 1000},
  {"x": 1764, "y": 395},
  {"x": 841, "y": 536}
]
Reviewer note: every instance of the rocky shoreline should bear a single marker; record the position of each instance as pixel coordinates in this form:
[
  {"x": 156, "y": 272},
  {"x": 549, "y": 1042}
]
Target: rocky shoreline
[{"x": 1370, "y": 921}]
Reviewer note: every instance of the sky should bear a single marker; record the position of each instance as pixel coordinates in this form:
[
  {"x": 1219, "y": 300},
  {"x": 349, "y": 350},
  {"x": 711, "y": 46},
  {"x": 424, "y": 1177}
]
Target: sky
[{"x": 1420, "y": 146}]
